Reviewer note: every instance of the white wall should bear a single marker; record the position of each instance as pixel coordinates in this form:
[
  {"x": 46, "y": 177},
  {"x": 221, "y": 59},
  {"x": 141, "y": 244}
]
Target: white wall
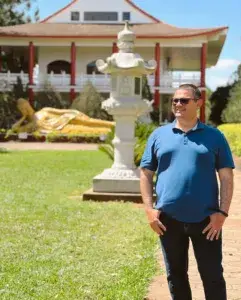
[
  {"x": 49, "y": 54},
  {"x": 100, "y": 6},
  {"x": 84, "y": 56}
]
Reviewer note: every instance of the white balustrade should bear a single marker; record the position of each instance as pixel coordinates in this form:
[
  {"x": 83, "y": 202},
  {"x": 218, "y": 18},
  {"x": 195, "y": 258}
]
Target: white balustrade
[
  {"x": 172, "y": 80},
  {"x": 61, "y": 82},
  {"x": 8, "y": 79}
]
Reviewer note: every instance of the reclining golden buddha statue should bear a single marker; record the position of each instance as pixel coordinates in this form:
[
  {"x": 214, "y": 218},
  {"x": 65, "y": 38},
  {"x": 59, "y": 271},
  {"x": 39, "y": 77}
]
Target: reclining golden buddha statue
[{"x": 62, "y": 121}]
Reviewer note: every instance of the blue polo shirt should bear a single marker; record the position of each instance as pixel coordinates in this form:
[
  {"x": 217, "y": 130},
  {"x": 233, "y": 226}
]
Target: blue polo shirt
[{"x": 186, "y": 165}]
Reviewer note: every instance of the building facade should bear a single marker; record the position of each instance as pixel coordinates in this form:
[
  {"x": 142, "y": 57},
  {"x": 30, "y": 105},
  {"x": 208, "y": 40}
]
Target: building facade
[{"x": 62, "y": 49}]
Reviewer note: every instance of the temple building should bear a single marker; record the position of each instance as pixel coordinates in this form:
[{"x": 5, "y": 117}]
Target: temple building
[{"x": 62, "y": 49}]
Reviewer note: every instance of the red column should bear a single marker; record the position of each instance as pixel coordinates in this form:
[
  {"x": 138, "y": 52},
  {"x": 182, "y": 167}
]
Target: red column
[
  {"x": 114, "y": 48},
  {"x": 30, "y": 71},
  {"x": 203, "y": 80},
  {"x": 157, "y": 76},
  {"x": 73, "y": 71}
]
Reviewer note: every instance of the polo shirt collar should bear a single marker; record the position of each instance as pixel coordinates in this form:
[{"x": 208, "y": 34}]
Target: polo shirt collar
[{"x": 199, "y": 126}]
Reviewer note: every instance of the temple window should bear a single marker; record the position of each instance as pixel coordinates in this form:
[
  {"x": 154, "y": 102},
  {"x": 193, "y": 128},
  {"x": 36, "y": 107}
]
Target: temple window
[
  {"x": 126, "y": 16},
  {"x": 75, "y": 16},
  {"x": 59, "y": 66},
  {"x": 101, "y": 16}
]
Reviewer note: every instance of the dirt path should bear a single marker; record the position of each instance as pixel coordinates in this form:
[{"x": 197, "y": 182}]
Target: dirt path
[{"x": 47, "y": 146}]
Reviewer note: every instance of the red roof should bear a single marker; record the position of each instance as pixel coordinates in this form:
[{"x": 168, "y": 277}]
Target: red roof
[{"x": 65, "y": 30}]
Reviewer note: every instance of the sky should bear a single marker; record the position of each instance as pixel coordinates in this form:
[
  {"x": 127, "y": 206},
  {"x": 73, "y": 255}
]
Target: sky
[{"x": 194, "y": 14}]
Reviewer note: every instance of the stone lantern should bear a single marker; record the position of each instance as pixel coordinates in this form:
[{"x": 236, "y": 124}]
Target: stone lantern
[{"x": 125, "y": 104}]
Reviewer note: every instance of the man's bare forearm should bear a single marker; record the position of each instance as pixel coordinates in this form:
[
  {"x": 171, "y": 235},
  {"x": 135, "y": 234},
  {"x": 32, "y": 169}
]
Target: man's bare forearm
[
  {"x": 226, "y": 189},
  {"x": 146, "y": 184}
]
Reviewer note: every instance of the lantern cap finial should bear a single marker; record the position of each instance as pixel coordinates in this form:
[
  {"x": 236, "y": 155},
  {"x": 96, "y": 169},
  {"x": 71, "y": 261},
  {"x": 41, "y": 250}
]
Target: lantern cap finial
[
  {"x": 126, "y": 39},
  {"x": 126, "y": 61}
]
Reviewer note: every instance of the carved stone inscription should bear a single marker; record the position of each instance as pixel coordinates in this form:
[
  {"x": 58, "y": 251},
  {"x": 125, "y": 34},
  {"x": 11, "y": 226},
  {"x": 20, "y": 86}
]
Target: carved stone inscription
[{"x": 125, "y": 85}]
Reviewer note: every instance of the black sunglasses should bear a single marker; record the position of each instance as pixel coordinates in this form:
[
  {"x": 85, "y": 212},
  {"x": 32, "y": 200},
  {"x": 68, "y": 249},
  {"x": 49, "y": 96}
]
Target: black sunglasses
[{"x": 181, "y": 100}]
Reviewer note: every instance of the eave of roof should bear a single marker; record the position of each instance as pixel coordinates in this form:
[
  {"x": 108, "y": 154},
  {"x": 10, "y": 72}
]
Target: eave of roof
[
  {"x": 74, "y": 1},
  {"x": 104, "y": 31}
]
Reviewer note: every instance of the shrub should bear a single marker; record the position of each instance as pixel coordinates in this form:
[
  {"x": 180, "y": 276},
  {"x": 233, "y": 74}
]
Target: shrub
[
  {"x": 49, "y": 97},
  {"x": 71, "y": 138},
  {"x": 9, "y": 113},
  {"x": 142, "y": 132},
  {"x": 8, "y": 110},
  {"x": 19, "y": 90},
  {"x": 233, "y": 134}
]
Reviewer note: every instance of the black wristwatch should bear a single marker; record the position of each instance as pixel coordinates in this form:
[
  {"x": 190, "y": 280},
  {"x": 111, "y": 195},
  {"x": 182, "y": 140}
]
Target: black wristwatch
[
  {"x": 220, "y": 211},
  {"x": 223, "y": 212}
]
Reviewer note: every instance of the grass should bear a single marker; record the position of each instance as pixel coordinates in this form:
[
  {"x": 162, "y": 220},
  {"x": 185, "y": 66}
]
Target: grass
[{"x": 55, "y": 247}]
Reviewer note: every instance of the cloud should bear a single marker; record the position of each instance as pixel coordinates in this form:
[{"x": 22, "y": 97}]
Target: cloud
[
  {"x": 226, "y": 64},
  {"x": 214, "y": 81},
  {"x": 221, "y": 74}
]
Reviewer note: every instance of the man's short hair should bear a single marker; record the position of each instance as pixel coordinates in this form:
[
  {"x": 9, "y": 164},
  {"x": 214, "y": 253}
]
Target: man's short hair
[{"x": 188, "y": 86}]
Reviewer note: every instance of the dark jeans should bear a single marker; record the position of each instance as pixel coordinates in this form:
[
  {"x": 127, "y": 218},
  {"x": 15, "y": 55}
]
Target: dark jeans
[{"x": 175, "y": 244}]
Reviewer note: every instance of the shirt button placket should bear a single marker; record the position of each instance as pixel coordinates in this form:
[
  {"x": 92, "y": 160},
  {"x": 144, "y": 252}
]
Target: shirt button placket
[{"x": 185, "y": 139}]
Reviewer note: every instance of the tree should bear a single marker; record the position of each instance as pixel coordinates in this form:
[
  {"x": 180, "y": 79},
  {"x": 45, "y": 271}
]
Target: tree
[
  {"x": 232, "y": 113},
  {"x": 219, "y": 101},
  {"x": 146, "y": 94},
  {"x": 13, "y": 12}
]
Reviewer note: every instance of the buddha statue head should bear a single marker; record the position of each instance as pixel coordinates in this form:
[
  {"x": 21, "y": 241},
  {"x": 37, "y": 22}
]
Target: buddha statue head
[{"x": 25, "y": 108}]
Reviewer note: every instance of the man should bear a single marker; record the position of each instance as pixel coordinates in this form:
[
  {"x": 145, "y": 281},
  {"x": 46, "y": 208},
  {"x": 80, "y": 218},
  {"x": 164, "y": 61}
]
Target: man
[{"x": 185, "y": 156}]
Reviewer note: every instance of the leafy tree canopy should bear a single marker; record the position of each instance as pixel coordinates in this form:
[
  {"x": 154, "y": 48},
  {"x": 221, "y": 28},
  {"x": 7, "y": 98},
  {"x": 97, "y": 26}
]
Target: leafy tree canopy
[
  {"x": 219, "y": 101},
  {"x": 232, "y": 113},
  {"x": 14, "y": 12},
  {"x": 221, "y": 98}
]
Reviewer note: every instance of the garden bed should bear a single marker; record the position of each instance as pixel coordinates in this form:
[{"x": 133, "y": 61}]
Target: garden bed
[{"x": 51, "y": 138}]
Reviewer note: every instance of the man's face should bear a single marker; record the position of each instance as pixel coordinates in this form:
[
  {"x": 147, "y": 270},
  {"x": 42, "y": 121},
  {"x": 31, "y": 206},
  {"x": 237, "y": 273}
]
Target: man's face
[{"x": 185, "y": 111}]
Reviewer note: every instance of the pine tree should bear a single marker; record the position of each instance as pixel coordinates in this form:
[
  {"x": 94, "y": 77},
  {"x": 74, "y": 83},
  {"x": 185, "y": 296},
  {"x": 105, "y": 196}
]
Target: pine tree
[{"x": 89, "y": 102}]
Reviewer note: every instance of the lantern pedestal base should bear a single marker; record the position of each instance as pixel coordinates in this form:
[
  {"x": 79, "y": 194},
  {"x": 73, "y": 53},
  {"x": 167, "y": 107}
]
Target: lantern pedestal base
[
  {"x": 104, "y": 197},
  {"x": 117, "y": 181}
]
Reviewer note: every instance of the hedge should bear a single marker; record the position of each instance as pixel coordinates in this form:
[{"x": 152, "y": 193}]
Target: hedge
[{"x": 233, "y": 134}]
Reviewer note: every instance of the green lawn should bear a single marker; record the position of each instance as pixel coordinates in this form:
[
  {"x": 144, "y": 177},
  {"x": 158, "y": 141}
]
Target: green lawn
[{"x": 56, "y": 247}]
